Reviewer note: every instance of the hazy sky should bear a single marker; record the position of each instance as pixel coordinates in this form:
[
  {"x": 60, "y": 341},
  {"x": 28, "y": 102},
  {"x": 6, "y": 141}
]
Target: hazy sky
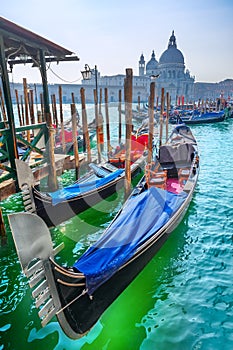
[{"x": 113, "y": 34}]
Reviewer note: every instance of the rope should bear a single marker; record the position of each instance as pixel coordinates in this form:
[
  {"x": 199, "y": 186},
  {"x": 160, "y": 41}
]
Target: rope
[
  {"x": 72, "y": 301},
  {"x": 65, "y": 81}
]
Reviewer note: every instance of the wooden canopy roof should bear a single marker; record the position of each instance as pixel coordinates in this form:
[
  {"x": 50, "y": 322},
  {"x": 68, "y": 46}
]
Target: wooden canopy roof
[{"x": 19, "y": 41}]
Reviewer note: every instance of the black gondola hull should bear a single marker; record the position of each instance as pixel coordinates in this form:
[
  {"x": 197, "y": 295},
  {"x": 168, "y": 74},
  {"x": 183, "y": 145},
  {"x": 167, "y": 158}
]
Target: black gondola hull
[
  {"x": 53, "y": 215},
  {"x": 83, "y": 313}
]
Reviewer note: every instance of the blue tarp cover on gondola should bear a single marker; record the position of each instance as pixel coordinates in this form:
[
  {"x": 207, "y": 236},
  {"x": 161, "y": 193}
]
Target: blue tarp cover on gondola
[
  {"x": 139, "y": 220},
  {"x": 76, "y": 189}
]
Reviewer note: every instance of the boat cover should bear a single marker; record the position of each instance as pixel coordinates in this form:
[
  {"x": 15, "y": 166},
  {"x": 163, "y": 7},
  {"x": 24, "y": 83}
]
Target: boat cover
[
  {"x": 141, "y": 218},
  {"x": 76, "y": 189},
  {"x": 184, "y": 152}
]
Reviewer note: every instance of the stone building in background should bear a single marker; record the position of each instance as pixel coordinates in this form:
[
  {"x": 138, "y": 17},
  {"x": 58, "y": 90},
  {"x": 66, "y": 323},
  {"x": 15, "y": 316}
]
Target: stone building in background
[{"x": 172, "y": 76}]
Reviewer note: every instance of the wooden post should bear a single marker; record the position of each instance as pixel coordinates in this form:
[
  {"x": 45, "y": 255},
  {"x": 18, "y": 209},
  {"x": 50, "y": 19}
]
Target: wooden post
[
  {"x": 86, "y": 139},
  {"x": 54, "y": 103},
  {"x": 107, "y": 120},
  {"x": 151, "y": 121},
  {"x": 97, "y": 126},
  {"x": 2, "y": 228},
  {"x": 75, "y": 141},
  {"x": 62, "y": 121},
  {"x": 167, "y": 114},
  {"x": 139, "y": 108},
  {"x": 100, "y": 101},
  {"x": 120, "y": 122},
  {"x": 157, "y": 103},
  {"x": 36, "y": 101},
  {"x": 100, "y": 122},
  {"x": 161, "y": 117},
  {"x": 31, "y": 106},
  {"x": 72, "y": 98},
  {"x": 42, "y": 107},
  {"x": 39, "y": 117},
  {"x": 128, "y": 93},
  {"x": 18, "y": 107},
  {"x": 25, "y": 90},
  {"x": 22, "y": 109},
  {"x": 3, "y": 107}
]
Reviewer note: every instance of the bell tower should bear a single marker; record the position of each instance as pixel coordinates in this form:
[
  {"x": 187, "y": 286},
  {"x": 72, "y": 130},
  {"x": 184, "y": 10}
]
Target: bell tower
[{"x": 142, "y": 65}]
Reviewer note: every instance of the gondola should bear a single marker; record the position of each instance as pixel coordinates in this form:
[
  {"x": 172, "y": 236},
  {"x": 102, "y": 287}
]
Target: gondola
[
  {"x": 194, "y": 118},
  {"x": 78, "y": 295},
  {"x": 56, "y": 207}
]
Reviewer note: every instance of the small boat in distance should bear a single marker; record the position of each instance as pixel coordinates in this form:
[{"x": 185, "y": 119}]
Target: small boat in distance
[
  {"x": 78, "y": 295},
  {"x": 195, "y": 117}
]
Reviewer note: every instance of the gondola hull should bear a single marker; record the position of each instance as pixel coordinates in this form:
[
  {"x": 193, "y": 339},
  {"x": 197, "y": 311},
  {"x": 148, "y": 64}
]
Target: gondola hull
[
  {"x": 200, "y": 119},
  {"x": 53, "y": 215},
  {"x": 83, "y": 313}
]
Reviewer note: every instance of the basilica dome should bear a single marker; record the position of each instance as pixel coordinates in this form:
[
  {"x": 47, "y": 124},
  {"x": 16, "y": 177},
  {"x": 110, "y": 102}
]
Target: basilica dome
[
  {"x": 172, "y": 54},
  {"x": 152, "y": 64}
]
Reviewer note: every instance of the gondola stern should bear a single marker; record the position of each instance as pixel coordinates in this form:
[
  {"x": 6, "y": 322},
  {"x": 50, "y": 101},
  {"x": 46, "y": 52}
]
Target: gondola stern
[
  {"x": 26, "y": 182},
  {"x": 24, "y": 173},
  {"x": 36, "y": 253}
]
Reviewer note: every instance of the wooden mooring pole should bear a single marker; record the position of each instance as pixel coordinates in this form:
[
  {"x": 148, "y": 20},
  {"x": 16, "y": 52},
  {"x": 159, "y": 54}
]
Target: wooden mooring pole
[
  {"x": 75, "y": 141},
  {"x": 22, "y": 110},
  {"x": 62, "y": 121},
  {"x": 31, "y": 106},
  {"x": 97, "y": 126},
  {"x": 167, "y": 113},
  {"x": 120, "y": 121},
  {"x": 161, "y": 117},
  {"x": 151, "y": 121},
  {"x": 18, "y": 107},
  {"x": 86, "y": 139},
  {"x": 25, "y": 90},
  {"x": 54, "y": 104},
  {"x": 128, "y": 93},
  {"x": 3, "y": 106},
  {"x": 2, "y": 228},
  {"x": 139, "y": 105},
  {"x": 107, "y": 121}
]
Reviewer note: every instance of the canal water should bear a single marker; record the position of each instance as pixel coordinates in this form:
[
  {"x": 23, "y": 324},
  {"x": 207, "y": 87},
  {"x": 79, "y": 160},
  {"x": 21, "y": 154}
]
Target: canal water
[{"x": 182, "y": 300}]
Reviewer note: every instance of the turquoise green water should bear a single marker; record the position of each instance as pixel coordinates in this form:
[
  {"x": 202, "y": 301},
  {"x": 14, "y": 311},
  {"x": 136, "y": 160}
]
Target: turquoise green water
[{"x": 182, "y": 300}]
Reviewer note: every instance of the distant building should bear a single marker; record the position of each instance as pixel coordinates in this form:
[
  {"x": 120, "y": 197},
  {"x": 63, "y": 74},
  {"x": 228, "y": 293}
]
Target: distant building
[
  {"x": 173, "y": 77},
  {"x": 170, "y": 68}
]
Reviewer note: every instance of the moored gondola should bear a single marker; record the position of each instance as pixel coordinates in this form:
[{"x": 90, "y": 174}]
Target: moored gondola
[
  {"x": 80, "y": 294},
  {"x": 56, "y": 207}
]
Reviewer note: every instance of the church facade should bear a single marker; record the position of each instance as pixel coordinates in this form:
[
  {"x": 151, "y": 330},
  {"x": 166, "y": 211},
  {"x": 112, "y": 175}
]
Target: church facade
[
  {"x": 172, "y": 76},
  {"x": 171, "y": 72},
  {"x": 170, "y": 69}
]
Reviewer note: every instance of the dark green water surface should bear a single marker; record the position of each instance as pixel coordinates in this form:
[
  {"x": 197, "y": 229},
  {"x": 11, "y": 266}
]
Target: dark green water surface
[{"x": 182, "y": 300}]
